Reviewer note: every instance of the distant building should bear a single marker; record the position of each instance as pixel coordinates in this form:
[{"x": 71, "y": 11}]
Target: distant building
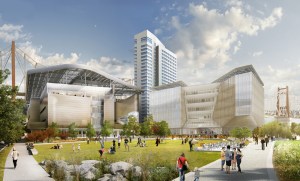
[
  {"x": 70, "y": 93},
  {"x": 234, "y": 100},
  {"x": 154, "y": 65}
]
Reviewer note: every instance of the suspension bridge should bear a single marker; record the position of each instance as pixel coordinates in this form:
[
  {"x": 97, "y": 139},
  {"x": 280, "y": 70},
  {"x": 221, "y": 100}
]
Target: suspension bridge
[{"x": 17, "y": 62}]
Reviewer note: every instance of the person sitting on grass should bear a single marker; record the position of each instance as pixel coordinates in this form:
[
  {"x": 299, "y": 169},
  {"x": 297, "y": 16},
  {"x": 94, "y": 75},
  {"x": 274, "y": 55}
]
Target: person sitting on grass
[{"x": 112, "y": 150}]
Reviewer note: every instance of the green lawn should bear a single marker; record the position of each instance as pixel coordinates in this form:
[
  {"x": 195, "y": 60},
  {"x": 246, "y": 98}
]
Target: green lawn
[
  {"x": 150, "y": 155},
  {"x": 287, "y": 160},
  {"x": 3, "y": 155}
]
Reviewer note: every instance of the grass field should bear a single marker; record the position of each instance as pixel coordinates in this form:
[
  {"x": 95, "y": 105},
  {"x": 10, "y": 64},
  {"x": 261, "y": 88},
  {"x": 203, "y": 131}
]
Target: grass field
[
  {"x": 3, "y": 156},
  {"x": 287, "y": 160},
  {"x": 168, "y": 151}
]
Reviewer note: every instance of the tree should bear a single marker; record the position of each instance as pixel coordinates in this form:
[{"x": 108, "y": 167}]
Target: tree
[
  {"x": 52, "y": 131},
  {"x": 277, "y": 129},
  {"x": 293, "y": 127},
  {"x": 11, "y": 112},
  {"x": 297, "y": 129},
  {"x": 106, "y": 129},
  {"x": 126, "y": 130},
  {"x": 90, "y": 131},
  {"x": 240, "y": 132},
  {"x": 146, "y": 128},
  {"x": 256, "y": 131},
  {"x": 72, "y": 130},
  {"x": 164, "y": 128},
  {"x": 55, "y": 129},
  {"x": 161, "y": 128},
  {"x": 133, "y": 126}
]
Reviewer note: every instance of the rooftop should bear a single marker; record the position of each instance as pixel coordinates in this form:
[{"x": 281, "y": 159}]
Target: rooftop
[
  {"x": 73, "y": 74},
  {"x": 239, "y": 70}
]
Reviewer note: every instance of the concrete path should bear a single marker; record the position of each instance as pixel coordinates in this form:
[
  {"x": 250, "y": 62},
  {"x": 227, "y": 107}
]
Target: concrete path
[
  {"x": 256, "y": 165},
  {"x": 27, "y": 167}
]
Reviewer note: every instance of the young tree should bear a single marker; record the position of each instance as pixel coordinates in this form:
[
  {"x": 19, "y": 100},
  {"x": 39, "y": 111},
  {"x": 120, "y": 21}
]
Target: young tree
[
  {"x": 72, "y": 130},
  {"x": 126, "y": 130},
  {"x": 133, "y": 126},
  {"x": 52, "y": 131},
  {"x": 146, "y": 128},
  {"x": 55, "y": 129},
  {"x": 106, "y": 129},
  {"x": 12, "y": 117},
  {"x": 164, "y": 128},
  {"x": 293, "y": 127},
  {"x": 90, "y": 131},
  {"x": 240, "y": 132},
  {"x": 277, "y": 129}
]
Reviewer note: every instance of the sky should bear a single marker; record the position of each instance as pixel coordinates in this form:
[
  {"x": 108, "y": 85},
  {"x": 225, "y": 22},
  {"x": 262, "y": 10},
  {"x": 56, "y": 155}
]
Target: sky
[{"x": 209, "y": 37}]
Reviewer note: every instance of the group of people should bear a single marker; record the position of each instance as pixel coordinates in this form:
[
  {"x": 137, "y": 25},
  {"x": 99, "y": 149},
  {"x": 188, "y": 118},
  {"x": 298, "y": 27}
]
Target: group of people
[{"x": 231, "y": 158}]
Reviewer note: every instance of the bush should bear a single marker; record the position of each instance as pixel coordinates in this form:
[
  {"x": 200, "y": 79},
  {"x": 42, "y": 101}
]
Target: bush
[
  {"x": 63, "y": 135},
  {"x": 287, "y": 159},
  {"x": 37, "y": 136}
]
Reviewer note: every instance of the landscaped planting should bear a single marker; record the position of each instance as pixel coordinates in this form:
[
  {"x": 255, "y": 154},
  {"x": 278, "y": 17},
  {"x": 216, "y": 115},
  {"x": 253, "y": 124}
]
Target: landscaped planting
[
  {"x": 287, "y": 160},
  {"x": 165, "y": 155}
]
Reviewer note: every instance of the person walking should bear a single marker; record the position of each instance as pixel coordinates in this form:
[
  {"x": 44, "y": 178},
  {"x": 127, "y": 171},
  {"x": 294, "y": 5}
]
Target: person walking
[
  {"x": 119, "y": 142},
  {"x": 157, "y": 141},
  {"x": 197, "y": 174},
  {"x": 262, "y": 141},
  {"x": 228, "y": 156},
  {"x": 267, "y": 141},
  {"x": 222, "y": 158},
  {"x": 239, "y": 156},
  {"x": 78, "y": 147},
  {"x": 15, "y": 156},
  {"x": 126, "y": 143},
  {"x": 73, "y": 147},
  {"x": 182, "y": 166},
  {"x": 191, "y": 144},
  {"x": 101, "y": 143},
  {"x": 233, "y": 161}
]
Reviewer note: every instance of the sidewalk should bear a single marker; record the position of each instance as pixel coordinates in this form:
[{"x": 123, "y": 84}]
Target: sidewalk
[
  {"x": 256, "y": 165},
  {"x": 27, "y": 167}
]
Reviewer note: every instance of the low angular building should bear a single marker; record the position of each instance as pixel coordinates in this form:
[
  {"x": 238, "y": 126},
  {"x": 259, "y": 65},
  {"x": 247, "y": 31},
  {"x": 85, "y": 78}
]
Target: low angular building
[
  {"x": 234, "y": 100},
  {"x": 71, "y": 93}
]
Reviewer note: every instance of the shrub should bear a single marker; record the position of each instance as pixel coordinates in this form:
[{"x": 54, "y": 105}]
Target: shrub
[
  {"x": 63, "y": 135},
  {"x": 287, "y": 159}
]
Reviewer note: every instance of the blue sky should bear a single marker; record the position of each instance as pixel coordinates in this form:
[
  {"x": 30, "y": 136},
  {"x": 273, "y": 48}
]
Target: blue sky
[{"x": 209, "y": 37}]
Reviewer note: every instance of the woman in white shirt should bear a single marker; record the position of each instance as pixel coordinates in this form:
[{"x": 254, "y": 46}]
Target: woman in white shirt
[{"x": 15, "y": 156}]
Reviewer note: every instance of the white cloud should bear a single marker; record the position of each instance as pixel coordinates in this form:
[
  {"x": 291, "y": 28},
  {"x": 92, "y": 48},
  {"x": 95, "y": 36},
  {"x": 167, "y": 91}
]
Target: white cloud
[
  {"x": 257, "y": 54},
  {"x": 212, "y": 37},
  {"x": 52, "y": 59},
  {"x": 281, "y": 77},
  {"x": 9, "y": 32},
  {"x": 112, "y": 66}
]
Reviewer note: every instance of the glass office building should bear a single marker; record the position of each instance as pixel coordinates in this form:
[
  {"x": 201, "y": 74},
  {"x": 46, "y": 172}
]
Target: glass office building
[
  {"x": 154, "y": 65},
  {"x": 234, "y": 100}
]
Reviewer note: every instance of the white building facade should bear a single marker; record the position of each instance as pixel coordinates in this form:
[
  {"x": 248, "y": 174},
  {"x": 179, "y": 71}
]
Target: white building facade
[
  {"x": 234, "y": 100},
  {"x": 154, "y": 65}
]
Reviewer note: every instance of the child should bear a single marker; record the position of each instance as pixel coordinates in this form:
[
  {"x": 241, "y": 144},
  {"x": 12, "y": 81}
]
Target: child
[
  {"x": 197, "y": 174},
  {"x": 78, "y": 147}
]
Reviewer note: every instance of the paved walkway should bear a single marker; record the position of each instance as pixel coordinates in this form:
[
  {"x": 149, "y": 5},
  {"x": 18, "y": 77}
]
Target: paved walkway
[
  {"x": 27, "y": 167},
  {"x": 256, "y": 165}
]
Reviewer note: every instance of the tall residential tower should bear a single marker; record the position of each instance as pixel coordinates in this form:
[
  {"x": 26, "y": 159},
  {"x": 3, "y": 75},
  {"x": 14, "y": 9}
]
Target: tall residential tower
[{"x": 154, "y": 65}]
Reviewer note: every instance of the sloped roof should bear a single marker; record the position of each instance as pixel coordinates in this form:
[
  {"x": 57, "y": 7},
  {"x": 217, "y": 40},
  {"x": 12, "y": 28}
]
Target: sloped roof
[
  {"x": 240, "y": 70},
  {"x": 73, "y": 74}
]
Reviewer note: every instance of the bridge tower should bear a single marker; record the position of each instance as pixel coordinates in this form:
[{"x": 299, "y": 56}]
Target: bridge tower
[{"x": 283, "y": 105}]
